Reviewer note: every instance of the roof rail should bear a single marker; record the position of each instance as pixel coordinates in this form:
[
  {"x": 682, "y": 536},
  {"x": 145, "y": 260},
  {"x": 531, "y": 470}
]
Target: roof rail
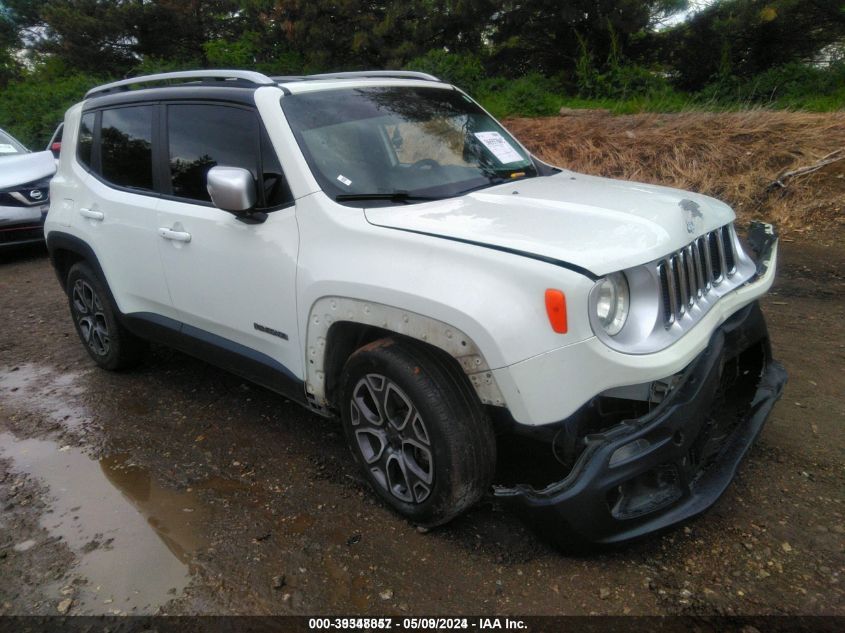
[
  {"x": 220, "y": 75},
  {"x": 363, "y": 74}
]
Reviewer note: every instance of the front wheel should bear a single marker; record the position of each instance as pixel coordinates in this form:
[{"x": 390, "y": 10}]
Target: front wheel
[{"x": 417, "y": 430}]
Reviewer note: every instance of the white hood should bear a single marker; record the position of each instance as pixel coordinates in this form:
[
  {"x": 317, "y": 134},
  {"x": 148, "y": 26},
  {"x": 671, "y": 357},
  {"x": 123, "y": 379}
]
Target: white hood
[
  {"x": 599, "y": 224},
  {"x": 20, "y": 169}
]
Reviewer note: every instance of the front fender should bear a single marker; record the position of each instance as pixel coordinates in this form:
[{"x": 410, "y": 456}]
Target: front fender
[
  {"x": 329, "y": 311},
  {"x": 492, "y": 300}
]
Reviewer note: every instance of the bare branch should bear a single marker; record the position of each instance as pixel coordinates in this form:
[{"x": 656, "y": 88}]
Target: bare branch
[{"x": 834, "y": 156}]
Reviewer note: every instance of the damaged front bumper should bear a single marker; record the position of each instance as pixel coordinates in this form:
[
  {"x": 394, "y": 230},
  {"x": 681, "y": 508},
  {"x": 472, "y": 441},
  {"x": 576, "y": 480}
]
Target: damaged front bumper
[{"x": 649, "y": 473}]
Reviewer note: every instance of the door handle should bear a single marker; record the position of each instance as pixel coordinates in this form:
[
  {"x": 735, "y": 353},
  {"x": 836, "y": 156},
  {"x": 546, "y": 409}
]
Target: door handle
[
  {"x": 91, "y": 214},
  {"x": 176, "y": 236}
]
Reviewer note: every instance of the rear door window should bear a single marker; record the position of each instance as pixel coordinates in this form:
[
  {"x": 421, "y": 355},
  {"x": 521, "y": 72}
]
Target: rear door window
[{"x": 126, "y": 147}]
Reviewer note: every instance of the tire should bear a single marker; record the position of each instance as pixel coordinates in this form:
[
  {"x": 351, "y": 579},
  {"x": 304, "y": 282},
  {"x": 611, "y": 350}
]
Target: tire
[
  {"x": 94, "y": 315},
  {"x": 417, "y": 430}
]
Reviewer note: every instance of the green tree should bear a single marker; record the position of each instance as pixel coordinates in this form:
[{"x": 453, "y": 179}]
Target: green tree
[
  {"x": 192, "y": 25},
  {"x": 323, "y": 35},
  {"x": 112, "y": 36},
  {"x": 90, "y": 35},
  {"x": 9, "y": 45},
  {"x": 31, "y": 112},
  {"x": 743, "y": 38},
  {"x": 546, "y": 35}
]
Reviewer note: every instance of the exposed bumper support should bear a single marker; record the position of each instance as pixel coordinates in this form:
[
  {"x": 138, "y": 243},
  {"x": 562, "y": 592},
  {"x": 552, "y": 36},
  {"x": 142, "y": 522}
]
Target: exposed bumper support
[{"x": 650, "y": 473}]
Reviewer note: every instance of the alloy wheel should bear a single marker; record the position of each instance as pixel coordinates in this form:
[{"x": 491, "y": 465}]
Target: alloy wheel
[
  {"x": 392, "y": 438},
  {"x": 91, "y": 318}
]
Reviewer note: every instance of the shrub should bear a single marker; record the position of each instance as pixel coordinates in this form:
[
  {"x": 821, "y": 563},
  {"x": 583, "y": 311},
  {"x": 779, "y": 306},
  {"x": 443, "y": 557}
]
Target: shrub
[
  {"x": 795, "y": 81},
  {"x": 155, "y": 65},
  {"x": 623, "y": 82},
  {"x": 531, "y": 95},
  {"x": 239, "y": 53},
  {"x": 793, "y": 85},
  {"x": 32, "y": 107},
  {"x": 617, "y": 79},
  {"x": 465, "y": 71},
  {"x": 287, "y": 63}
]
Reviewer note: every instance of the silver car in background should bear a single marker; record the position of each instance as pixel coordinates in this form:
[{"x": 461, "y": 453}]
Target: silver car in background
[{"x": 24, "y": 192}]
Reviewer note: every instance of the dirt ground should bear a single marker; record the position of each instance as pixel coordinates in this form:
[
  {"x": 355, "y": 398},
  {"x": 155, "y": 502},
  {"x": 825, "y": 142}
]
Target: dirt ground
[{"x": 177, "y": 488}]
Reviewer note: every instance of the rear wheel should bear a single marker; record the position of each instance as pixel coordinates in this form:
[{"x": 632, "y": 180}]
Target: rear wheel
[
  {"x": 110, "y": 344},
  {"x": 417, "y": 430}
]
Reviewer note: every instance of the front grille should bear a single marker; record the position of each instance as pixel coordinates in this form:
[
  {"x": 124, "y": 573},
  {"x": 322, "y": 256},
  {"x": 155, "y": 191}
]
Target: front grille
[
  {"x": 24, "y": 197},
  {"x": 688, "y": 275},
  {"x": 729, "y": 252}
]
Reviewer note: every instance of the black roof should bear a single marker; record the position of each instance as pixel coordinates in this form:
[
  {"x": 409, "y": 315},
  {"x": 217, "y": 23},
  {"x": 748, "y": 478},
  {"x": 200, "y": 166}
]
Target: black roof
[
  {"x": 192, "y": 91},
  {"x": 218, "y": 85}
]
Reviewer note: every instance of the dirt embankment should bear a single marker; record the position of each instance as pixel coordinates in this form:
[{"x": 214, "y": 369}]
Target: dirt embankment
[{"x": 735, "y": 157}]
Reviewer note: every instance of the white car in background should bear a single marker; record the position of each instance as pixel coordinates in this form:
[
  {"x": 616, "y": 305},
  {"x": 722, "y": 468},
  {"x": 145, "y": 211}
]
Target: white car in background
[{"x": 24, "y": 192}]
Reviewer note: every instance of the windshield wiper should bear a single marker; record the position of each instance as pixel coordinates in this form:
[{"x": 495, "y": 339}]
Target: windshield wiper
[{"x": 393, "y": 196}]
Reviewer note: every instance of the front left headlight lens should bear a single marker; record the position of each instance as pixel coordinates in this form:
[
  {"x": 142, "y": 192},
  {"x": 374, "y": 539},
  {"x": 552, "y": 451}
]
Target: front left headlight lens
[{"x": 613, "y": 303}]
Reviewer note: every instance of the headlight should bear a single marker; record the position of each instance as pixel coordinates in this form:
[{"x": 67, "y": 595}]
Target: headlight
[{"x": 613, "y": 303}]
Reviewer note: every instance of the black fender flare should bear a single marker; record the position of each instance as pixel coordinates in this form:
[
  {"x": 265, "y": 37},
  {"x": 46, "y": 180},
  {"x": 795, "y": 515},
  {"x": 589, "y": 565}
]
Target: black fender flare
[{"x": 61, "y": 241}]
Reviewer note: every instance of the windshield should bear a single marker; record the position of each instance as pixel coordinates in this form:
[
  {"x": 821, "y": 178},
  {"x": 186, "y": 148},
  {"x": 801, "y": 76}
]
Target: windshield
[
  {"x": 8, "y": 145},
  {"x": 390, "y": 144}
]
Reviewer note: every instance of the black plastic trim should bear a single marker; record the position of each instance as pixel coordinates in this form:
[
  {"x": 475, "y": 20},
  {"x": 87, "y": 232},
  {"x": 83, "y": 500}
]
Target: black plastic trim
[
  {"x": 96, "y": 151},
  {"x": 238, "y": 359},
  {"x": 762, "y": 237},
  {"x": 58, "y": 240},
  {"x": 575, "y": 510},
  {"x": 7, "y": 246},
  {"x": 9, "y": 230},
  {"x": 543, "y": 168}
]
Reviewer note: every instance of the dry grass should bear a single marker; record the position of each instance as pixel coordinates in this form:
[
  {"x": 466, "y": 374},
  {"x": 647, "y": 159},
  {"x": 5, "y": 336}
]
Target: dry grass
[{"x": 732, "y": 156}]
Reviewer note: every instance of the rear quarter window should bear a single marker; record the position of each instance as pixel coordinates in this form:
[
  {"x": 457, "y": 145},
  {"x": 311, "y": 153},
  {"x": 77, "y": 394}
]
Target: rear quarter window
[{"x": 85, "y": 142}]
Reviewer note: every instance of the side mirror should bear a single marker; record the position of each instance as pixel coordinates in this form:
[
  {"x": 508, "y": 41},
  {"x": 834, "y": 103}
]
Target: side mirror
[{"x": 231, "y": 189}]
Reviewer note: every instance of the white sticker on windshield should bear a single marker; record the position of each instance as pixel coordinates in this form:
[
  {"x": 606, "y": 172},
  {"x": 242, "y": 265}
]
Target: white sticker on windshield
[
  {"x": 501, "y": 149},
  {"x": 344, "y": 180},
  {"x": 5, "y": 148}
]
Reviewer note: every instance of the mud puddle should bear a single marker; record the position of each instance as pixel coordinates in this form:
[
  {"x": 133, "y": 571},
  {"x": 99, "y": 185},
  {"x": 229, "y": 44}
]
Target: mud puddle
[
  {"x": 134, "y": 542},
  {"x": 46, "y": 391}
]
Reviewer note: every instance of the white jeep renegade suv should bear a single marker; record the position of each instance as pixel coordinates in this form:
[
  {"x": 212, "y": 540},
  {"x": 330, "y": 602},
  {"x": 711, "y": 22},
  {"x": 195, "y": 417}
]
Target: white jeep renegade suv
[{"x": 377, "y": 247}]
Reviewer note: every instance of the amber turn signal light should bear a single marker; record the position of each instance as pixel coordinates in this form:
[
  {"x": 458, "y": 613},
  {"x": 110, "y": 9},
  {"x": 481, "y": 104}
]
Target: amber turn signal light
[{"x": 556, "y": 309}]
